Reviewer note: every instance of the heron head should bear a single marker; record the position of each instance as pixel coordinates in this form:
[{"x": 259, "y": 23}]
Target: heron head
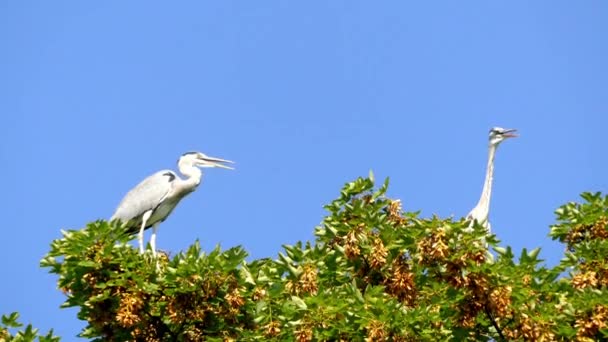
[
  {"x": 498, "y": 134},
  {"x": 202, "y": 160}
]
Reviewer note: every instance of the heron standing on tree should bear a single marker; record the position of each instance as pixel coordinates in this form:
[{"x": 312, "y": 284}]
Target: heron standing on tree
[
  {"x": 152, "y": 200},
  {"x": 482, "y": 209}
]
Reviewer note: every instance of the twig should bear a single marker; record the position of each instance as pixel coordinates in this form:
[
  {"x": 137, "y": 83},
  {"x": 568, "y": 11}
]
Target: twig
[{"x": 494, "y": 323}]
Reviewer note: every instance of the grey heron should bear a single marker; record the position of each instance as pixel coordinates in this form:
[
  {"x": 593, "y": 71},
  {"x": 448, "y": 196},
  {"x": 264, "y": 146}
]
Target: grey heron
[
  {"x": 482, "y": 209},
  {"x": 152, "y": 200}
]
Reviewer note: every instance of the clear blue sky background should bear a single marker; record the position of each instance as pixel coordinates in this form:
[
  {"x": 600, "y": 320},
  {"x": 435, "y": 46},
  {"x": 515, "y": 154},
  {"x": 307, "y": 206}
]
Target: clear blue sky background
[{"x": 304, "y": 96}]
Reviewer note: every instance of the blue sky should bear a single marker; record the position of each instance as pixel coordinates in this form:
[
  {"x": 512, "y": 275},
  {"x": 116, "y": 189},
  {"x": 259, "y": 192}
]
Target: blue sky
[{"x": 304, "y": 96}]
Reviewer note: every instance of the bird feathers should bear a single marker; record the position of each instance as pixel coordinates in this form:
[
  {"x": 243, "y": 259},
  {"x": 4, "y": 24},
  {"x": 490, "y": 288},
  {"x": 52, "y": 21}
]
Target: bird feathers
[{"x": 147, "y": 195}]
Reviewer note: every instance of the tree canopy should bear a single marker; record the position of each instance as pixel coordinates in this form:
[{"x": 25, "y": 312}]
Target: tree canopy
[{"x": 374, "y": 272}]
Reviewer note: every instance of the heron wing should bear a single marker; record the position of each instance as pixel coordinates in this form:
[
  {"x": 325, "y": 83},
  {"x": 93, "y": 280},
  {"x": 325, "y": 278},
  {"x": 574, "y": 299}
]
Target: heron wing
[{"x": 147, "y": 195}]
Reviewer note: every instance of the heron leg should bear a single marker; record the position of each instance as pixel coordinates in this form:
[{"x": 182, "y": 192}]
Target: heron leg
[
  {"x": 140, "y": 236},
  {"x": 153, "y": 239}
]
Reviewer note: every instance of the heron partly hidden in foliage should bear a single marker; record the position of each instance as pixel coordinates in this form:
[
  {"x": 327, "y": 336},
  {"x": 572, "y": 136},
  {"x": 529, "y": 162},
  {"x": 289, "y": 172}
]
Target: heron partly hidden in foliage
[
  {"x": 152, "y": 200},
  {"x": 482, "y": 209}
]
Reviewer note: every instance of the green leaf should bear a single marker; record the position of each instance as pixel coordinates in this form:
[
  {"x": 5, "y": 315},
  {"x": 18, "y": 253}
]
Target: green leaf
[
  {"x": 299, "y": 302},
  {"x": 534, "y": 253},
  {"x": 87, "y": 263},
  {"x": 11, "y": 320}
]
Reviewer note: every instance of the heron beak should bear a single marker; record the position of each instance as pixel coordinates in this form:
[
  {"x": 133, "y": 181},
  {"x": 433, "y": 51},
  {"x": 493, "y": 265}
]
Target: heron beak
[
  {"x": 510, "y": 133},
  {"x": 215, "y": 162}
]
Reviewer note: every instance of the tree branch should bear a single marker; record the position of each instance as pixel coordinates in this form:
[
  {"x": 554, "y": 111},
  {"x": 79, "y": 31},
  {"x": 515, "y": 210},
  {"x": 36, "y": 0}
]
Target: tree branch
[{"x": 494, "y": 323}]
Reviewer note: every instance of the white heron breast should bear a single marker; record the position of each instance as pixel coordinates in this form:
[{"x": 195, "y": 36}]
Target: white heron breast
[{"x": 162, "y": 211}]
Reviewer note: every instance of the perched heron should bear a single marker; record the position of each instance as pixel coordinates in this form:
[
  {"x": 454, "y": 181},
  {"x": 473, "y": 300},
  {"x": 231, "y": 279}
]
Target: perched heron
[
  {"x": 152, "y": 200},
  {"x": 482, "y": 209}
]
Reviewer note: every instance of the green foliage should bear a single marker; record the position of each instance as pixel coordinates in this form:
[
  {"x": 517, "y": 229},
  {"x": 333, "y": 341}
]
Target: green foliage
[
  {"x": 11, "y": 322},
  {"x": 373, "y": 272},
  {"x": 123, "y": 295}
]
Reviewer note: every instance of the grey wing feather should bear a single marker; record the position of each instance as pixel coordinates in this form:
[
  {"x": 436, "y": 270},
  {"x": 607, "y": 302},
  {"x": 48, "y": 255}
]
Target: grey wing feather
[{"x": 146, "y": 196}]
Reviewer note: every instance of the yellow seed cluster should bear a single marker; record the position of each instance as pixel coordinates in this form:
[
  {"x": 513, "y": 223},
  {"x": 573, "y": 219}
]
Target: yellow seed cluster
[{"x": 129, "y": 309}]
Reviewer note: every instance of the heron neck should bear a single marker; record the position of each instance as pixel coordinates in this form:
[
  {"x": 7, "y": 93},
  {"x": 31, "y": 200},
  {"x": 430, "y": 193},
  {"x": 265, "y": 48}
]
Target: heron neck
[
  {"x": 193, "y": 177},
  {"x": 484, "y": 200}
]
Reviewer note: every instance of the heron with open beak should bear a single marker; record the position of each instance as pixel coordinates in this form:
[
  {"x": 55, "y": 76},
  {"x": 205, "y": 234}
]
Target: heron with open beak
[{"x": 153, "y": 200}]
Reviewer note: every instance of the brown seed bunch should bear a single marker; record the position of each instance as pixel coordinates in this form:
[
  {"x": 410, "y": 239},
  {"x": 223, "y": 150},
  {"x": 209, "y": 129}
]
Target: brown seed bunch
[
  {"x": 378, "y": 254},
  {"x": 583, "y": 232},
  {"x": 500, "y": 301},
  {"x": 584, "y": 279},
  {"x": 351, "y": 245},
  {"x": 376, "y": 332},
  {"x": 186, "y": 306},
  {"x": 291, "y": 287},
  {"x": 478, "y": 284},
  {"x": 162, "y": 258},
  {"x": 394, "y": 212},
  {"x": 401, "y": 283},
  {"x": 476, "y": 300},
  {"x": 258, "y": 293},
  {"x": 468, "y": 313},
  {"x": 433, "y": 248},
  {"x": 592, "y": 274},
  {"x": 90, "y": 279},
  {"x": 530, "y": 330},
  {"x": 234, "y": 298},
  {"x": 602, "y": 277},
  {"x": 589, "y": 326},
  {"x": 176, "y": 314},
  {"x": 478, "y": 256},
  {"x": 598, "y": 230},
  {"x": 306, "y": 282},
  {"x": 454, "y": 275},
  {"x": 150, "y": 334},
  {"x": 194, "y": 334},
  {"x": 304, "y": 334},
  {"x": 272, "y": 329}
]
